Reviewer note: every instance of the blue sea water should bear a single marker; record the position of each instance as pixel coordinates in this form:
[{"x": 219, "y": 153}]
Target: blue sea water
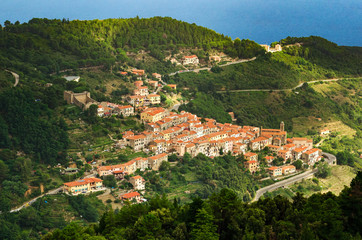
[{"x": 263, "y": 21}]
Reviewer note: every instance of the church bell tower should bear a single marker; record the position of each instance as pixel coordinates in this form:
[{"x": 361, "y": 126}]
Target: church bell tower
[{"x": 282, "y": 126}]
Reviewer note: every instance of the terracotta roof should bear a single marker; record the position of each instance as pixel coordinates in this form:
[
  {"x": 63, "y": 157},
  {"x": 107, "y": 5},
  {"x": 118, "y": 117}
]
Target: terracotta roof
[
  {"x": 136, "y": 137},
  {"x": 253, "y": 161},
  {"x": 273, "y": 168},
  {"x": 158, "y": 156},
  {"x": 259, "y": 139},
  {"x": 131, "y": 195},
  {"x": 288, "y": 167},
  {"x": 250, "y": 154},
  {"x": 300, "y": 149},
  {"x": 312, "y": 151},
  {"x": 83, "y": 182},
  {"x": 300, "y": 139},
  {"x": 192, "y": 56},
  {"x": 153, "y": 95},
  {"x": 123, "y": 107},
  {"x": 137, "y": 177},
  {"x": 104, "y": 168}
]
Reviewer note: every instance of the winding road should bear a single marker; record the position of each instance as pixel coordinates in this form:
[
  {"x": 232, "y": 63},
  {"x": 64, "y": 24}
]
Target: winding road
[
  {"x": 208, "y": 68},
  {"x": 330, "y": 158},
  {"x": 51, "y": 192},
  {"x": 16, "y": 76},
  {"x": 283, "y": 183},
  {"x": 286, "y": 89}
]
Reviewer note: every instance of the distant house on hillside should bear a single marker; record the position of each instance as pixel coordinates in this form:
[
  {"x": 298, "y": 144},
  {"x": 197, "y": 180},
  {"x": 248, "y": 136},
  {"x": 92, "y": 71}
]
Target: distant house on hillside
[
  {"x": 138, "y": 72},
  {"x": 131, "y": 196},
  {"x": 215, "y": 58},
  {"x": 193, "y": 59},
  {"x": 156, "y": 75},
  {"x": 172, "y": 86},
  {"x": 276, "y": 48},
  {"x": 324, "y": 132},
  {"x": 82, "y": 100}
]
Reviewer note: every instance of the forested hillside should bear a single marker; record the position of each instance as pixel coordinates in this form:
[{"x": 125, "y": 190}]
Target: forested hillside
[
  {"x": 224, "y": 216},
  {"x": 38, "y": 130},
  {"x": 315, "y": 58},
  {"x": 54, "y": 45}
]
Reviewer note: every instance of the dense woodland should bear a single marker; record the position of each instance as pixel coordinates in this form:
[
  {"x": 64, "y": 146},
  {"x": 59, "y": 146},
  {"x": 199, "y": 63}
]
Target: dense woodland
[
  {"x": 54, "y": 45},
  {"x": 224, "y": 216}
]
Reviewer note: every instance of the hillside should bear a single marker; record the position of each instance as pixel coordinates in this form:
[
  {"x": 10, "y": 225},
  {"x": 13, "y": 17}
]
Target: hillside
[
  {"x": 315, "y": 59},
  {"x": 40, "y": 134},
  {"x": 54, "y": 45}
]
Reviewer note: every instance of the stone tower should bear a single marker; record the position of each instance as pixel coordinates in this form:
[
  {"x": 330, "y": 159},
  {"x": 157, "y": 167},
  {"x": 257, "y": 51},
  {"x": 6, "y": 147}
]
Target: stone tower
[{"x": 282, "y": 126}]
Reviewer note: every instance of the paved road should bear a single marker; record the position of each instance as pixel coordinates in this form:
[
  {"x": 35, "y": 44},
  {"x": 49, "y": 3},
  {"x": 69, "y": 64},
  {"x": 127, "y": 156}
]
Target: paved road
[
  {"x": 16, "y": 76},
  {"x": 27, "y": 204},
  {"x": 51, "y": 192},
  {"x": 330, "y": 158},
  {"x": 283, "y": 183},
  {"x": 208, "y": 68},
  {"x": 286, "y": 89}
]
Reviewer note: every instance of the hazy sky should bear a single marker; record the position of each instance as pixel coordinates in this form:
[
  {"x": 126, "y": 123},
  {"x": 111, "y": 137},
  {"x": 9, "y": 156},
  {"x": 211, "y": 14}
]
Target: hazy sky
[{"x": 263, "y": 21}]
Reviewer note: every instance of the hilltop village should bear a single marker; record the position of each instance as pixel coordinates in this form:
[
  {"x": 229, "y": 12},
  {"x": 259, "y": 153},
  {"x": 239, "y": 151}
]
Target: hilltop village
[{"x": 170, "y": 132}]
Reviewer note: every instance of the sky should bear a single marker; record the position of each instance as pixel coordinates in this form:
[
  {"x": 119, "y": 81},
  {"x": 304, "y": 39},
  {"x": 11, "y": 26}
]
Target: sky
[{"x": 263, "y": 21}]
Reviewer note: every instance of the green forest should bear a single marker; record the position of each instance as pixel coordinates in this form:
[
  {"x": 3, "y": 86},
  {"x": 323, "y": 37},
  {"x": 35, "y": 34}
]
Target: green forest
[
  {"x": 55, "y": 45},
  {"x": 224, "y": 216}
]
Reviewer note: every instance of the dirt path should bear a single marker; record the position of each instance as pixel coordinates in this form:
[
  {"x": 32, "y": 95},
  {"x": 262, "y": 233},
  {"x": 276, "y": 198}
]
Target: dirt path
[
  {"x": 16, "y": 76},
  {"x": 208, "y": 68}
]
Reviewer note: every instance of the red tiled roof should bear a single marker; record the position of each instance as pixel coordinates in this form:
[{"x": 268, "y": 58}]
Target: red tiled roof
[
  {"x": 83, "y": 182},
  {"x": 250, "y": 154},
  {"x": 288, "y": 167},
  {"x": 137, "y": 177},
  {"x": 131, "y": 195},
  {"x": 273, "y": 168},
  {"x": 158, "y": 156},
  {"x": 192, "y": 56}
]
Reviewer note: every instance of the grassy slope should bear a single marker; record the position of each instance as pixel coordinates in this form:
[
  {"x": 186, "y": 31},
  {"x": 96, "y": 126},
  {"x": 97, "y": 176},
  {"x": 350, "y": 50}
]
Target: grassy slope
[
  {"x": 279, "y": 70},
  {"x": 341, "y": 176}
]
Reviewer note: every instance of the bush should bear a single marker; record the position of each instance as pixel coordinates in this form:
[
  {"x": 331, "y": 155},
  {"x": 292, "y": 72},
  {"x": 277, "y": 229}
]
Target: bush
[{"x": 323, "y": 170}]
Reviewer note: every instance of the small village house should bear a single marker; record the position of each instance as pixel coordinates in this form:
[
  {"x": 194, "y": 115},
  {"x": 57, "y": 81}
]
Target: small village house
[
  {"x": 275, "y": 171},
  {"x": 137, "y": 182},
  {"x": 288, "y": 169},
  {"x": 250, "y": 156},
  {"x": 193, "y": 59},
  {"x": 252, "y": 166},
  {"x": 83, "y": 186},
  {"x": 132, "y": 196}
]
